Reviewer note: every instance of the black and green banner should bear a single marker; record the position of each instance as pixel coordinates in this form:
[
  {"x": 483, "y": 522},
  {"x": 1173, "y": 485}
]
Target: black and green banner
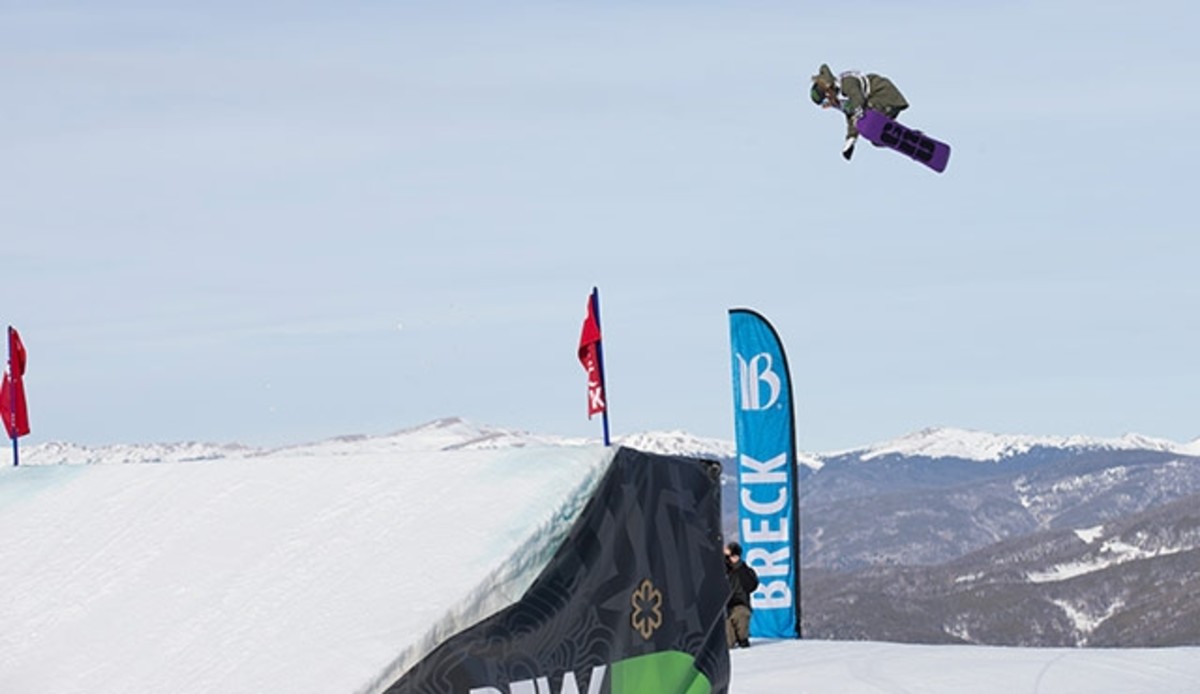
[{"x": 633, "y": 602}]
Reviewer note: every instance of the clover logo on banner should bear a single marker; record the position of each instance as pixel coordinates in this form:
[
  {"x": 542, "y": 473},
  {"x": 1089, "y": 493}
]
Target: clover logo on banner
[{"x": 647, "y": 614}]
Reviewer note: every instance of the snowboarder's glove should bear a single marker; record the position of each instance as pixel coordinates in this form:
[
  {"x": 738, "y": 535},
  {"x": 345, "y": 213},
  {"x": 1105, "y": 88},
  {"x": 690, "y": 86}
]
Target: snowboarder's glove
[{"x": 848, "y": 148}]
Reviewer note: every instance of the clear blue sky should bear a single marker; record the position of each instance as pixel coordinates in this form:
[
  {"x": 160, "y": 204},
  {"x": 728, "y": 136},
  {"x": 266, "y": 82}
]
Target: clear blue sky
[{"x": 283, "y": 222}]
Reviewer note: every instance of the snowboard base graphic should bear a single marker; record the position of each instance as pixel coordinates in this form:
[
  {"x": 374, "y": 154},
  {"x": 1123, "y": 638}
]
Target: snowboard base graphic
[{"x": 885, "y": 132}]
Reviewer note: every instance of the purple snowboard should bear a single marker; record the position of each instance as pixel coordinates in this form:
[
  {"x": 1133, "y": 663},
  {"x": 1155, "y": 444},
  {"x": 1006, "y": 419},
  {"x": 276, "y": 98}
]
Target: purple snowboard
[{"x": 885, "y": 132}]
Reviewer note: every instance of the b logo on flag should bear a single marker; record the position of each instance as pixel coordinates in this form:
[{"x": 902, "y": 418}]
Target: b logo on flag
[{"x": 752, "y": 375}]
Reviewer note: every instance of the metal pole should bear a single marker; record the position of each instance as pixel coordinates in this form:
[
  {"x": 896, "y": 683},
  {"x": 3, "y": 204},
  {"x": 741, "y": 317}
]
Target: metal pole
[
  {"x": 12, "y": 404},
  {"x": 600, "y": 360}
]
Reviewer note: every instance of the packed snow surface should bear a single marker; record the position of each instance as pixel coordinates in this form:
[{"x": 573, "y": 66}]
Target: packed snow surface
[
  {"x": 306, "y": 573},
  {"x": 864, "y": 667}
]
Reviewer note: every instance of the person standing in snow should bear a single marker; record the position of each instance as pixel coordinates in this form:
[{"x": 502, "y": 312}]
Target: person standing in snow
[
  {"x": 852, "y": 92},
  {"x": 742, "y": 582}
]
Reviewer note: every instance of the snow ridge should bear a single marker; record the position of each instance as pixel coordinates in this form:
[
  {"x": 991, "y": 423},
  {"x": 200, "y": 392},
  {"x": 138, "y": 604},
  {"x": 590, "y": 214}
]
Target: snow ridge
[
  {"x": 987, "y": 447},
  {"x": 455, "y": 433}
]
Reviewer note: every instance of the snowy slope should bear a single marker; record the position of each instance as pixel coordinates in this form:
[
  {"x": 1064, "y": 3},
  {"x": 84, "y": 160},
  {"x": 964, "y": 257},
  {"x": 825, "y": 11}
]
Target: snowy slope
[
  {"x": 283, "y": 574},
  {"x": 854, "y": 667}
]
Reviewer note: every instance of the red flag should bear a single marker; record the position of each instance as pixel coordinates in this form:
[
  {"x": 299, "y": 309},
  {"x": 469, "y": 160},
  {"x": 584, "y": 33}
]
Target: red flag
[
  {"x": 589, "y": 356},
  {"x": 12, "y": 392},
  {"x": 16, "y": 353},
  {"x": 12, "y": 406}
]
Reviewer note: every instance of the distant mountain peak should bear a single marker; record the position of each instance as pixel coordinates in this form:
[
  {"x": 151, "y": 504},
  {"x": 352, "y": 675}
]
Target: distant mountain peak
[
  {"x": 677, "y": 442},
  {"x": 949, "y": 442}
]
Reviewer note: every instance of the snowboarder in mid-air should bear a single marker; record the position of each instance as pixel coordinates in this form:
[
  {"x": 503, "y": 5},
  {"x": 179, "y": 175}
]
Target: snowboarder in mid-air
[{"x": 852, "y": 93}]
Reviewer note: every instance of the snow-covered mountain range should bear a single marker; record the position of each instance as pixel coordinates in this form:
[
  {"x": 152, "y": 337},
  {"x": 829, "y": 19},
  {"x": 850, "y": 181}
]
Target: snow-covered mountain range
[
  {"x": 454, "y": 433},
  {"x": 985, "y": 447}
]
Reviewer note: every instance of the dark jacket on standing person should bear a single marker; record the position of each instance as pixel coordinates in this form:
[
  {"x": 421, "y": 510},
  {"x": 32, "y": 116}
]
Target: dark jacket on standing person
[{"x": 742, "y": 581}]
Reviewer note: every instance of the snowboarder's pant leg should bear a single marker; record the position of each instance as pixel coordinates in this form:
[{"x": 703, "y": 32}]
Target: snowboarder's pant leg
[{"x": 737, "y": 626}]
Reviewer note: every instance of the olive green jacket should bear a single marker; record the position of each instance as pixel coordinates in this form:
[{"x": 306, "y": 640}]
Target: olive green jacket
[{"x": 871, "y": 91}]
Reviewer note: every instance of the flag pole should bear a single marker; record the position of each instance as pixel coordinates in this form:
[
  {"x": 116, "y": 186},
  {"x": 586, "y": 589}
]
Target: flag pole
[
  {"x": 13, "y": 401},
  {"x": 600, "y": 361}
]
